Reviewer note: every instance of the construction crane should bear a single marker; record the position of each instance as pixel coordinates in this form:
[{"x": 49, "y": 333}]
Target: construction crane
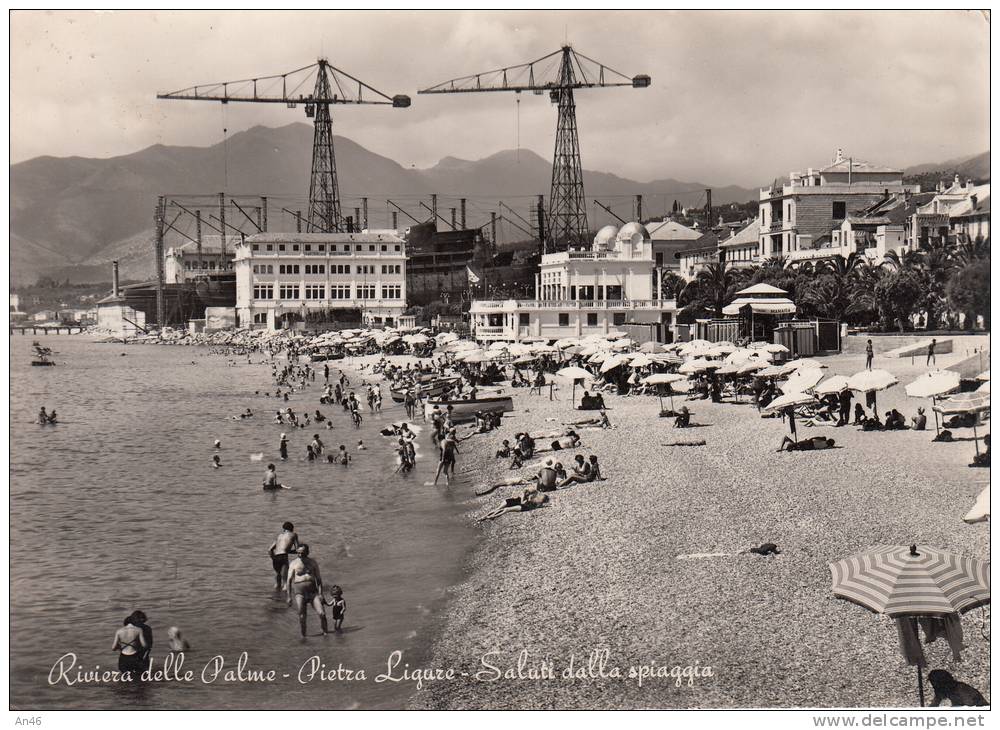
[
  {"x": 558, "y": 73},
  {"x": 323, "y": 85}
]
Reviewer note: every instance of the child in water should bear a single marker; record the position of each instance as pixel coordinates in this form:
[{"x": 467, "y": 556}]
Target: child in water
[
  {"x": 361, "y": 445},
  {"x": 216, "y": 462},
  {"x": 342, "y": 456},
  {"x": 338, "y": 606},
  {"x": 177, "y": 642}
]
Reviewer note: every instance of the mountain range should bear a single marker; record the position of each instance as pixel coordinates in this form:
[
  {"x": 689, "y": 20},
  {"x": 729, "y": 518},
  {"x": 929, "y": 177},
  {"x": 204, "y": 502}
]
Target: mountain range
[{"x": 71, "y": 216}]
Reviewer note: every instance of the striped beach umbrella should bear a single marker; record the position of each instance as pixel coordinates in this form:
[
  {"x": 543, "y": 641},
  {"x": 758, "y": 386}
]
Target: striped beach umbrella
[
  {"x": 901, "y": 582},
  {"x": 912, "y": 581}
]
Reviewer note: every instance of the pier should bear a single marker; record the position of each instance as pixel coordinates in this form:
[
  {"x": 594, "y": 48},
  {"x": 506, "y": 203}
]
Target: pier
[{"x": 72, "y": 329}]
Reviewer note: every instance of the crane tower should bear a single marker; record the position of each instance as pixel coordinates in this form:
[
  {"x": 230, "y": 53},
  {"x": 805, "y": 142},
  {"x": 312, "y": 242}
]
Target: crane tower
[
  {"x": 316, "y": 86},
  {"x": 558, "y": 73}
]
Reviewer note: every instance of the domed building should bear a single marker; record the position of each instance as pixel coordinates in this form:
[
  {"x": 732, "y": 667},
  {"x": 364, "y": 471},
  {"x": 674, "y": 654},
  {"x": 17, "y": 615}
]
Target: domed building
[{"x": 585, "y": 292}]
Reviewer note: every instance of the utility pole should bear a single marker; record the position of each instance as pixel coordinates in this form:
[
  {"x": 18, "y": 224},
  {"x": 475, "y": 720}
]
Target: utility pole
[
  {"x": 364, "y": 208},
  {"x": 298, "y": 221},
  {"x": 462, "y": 203},
  {"x": 357, "y": 220},
  {"x": 222, "y": 228},
  {"x": 541, "y": 222},
  {"x": 453, "y": 227},
  {"x": 708, "y": 207},
  {"x": 197, "y": 234},
  {"x": 260, "y": 218},
  {"x": 395, "y": 221},
  {"x": 263, "y": 207},
  {"x": 493, "y": 230},
  {"x": 638, "y": 208},
  {"x": 434, "y": 208},
  {"x": 160, "y": 273}
]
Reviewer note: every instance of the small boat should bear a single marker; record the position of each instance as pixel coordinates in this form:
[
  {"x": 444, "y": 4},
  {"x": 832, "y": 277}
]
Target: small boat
[
  {"x": 431, "y": 388},
  {"x": 42, "y": 355},
  {"x": 324, "y": 356},
  {"x": 466, "y": 410}
]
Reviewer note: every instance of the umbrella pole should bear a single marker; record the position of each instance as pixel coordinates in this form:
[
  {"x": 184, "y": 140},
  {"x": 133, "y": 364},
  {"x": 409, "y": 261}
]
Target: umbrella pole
[
  {"x": 937, "y": 428},
  {"x": 975, "y": 436},
  {"x": 574, "y": 393},
  {"x": 920, "y": 685}
]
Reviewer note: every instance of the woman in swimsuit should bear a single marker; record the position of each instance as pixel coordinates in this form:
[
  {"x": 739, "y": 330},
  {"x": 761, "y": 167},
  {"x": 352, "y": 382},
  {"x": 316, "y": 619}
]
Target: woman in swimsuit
[
  {"x": 130, "y": 643},
  {"x": 529, "y": 500}
]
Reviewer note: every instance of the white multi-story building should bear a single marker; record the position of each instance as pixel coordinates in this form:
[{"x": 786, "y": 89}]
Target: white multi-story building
[
  {"x": 284, "y": 277},
  {"x": 185, "y": 262},
  {"x": 583, "y": 292}
]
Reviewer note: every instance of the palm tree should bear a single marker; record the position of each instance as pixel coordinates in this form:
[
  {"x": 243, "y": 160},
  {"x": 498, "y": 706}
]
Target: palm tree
[
  {"x": 842, "y": 267},
  {"x": 713, "y": 287}
]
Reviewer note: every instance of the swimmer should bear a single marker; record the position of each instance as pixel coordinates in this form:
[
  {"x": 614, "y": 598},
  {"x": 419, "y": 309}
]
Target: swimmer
[
  {"x": 218, "y": 444},
  {"x": 177, "y": 642},
  {"x": 271, "y": 478},
  {"x": 342, "y": 456},
  {"x": 285, "y": 544},
  {"x": 216, "y": 463},
  {"x": 338, "y": 606},
  {"x": 361, "y": 445}
]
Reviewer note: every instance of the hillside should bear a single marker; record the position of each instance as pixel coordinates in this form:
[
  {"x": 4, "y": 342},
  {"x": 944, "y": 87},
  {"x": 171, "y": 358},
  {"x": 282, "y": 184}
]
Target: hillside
[{"x": 71, "y": 216}]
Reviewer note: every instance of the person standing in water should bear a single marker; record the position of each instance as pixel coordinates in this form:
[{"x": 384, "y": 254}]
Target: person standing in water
[
  {"x": 284, "y": 545},
  {"x": 271, "y": 478},
  {"x": 130, "y": 642},
  {"x": 446, "y": 465},
  {"x": 283, "y": 448},
  {"x": 305, "y": 584}
]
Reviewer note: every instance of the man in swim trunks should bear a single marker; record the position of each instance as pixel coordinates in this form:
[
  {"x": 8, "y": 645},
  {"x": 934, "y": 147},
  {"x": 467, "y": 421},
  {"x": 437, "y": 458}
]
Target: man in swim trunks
[
  {"x": 449, "y": 448},
  {"x": 271, "y": 478},
  {"x": 306, "y": 586},
  {"x": 285, "y": 544},
  {"x": 547, "y": 477}
]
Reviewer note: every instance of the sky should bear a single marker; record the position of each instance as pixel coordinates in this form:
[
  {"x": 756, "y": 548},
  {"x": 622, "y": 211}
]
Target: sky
[{"x": 736, "y": 97}]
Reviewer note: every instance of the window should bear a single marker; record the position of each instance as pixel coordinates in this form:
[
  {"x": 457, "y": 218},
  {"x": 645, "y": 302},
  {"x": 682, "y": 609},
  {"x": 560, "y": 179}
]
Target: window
[
  {"x": 390, "y": 268},
  {"x": 591, "y": 319},
  {"x": 839, "y": 210},
  {"x": 263, "y": 268},
  {"x": 308, "y": 247},
  {"x": 315, "y": 268},
  {"x": 315, "y": 291},
  {"x": 366, "y": 269},
  {"x": 523, "y": 319},
  {"x": 392, "y": 291},
  {"x": 260, "y": 317},
  {"x": 270, "y": 247},
  {"x": 383, "y": 247},
  {"x": 322, "y": 247},
  {"x": 371, "y": 247},
  {"x": 255, "y": 247},
  {"x": 281, "y": 247},
  {"x": 619, "y": 318},
  {"x": 396, "y": 247},
  {"x": 288, "y": 268},
  {"x": 564, "y": 319},
  {"x": 263, "y": 291},
  {"x": 288, "y": 291},
  {"x": 340, "y": 291},
  {"x": 295, "y": 247},
  {"x": 366, "y": 291},
  {"x": 340, "y": 268},
  {"x": 356, "y": 248}
]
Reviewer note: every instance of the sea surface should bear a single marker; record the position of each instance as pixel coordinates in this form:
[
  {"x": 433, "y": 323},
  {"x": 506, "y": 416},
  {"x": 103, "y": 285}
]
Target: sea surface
[{"x": 117, "y": 508}]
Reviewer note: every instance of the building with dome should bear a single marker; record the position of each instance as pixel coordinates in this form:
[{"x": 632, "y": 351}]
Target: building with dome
[{"x": 579, "y": 293}]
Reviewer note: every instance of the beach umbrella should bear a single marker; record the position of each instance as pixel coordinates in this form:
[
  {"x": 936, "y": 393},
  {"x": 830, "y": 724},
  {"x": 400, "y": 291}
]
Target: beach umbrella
[
  {"x": 641, "y": 361},
  {"x": 775, "y": 371},
  {"x": 612, "y": 362},
  {"x": 984, "y": 388},
  {"x": 774, "y": 347},
  {"x": 790, "y": 400},
  {"x": 498, "y": 346},
  {"x": 567, "y": 342},
  {"x": 750, "y": 366},
  {"x": 728, "y": 369},
  {"x": 836, "y": 384},
  {"x": 524, "y": 359},
  {"x": 599, "y": 356},
  {"x": 575, "y": 374},
  {"x": 621, "y": 344},
  {"x": 985, "y": 375},
  {"x": 651, "y": 348},
  {"x": 980, "y": 511},
  {"x": 966, "y": 403},
  {"x": 933, "y": 383},
  {"x": 902, "y": 582},
  {"x": 720, "y": 349},
  {"x": 805, "y": 363},
  {"x": 667, "y": 358},
  {"x": 872, "y": 381},
  {"x": 664, "y": 380},
  {"x": 616, "y": 335},
  {"x": 802, "y": 380},
  {"x": 698, "y": 365}
]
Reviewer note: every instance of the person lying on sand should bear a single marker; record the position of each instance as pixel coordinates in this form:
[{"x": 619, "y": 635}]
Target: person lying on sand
[
  {"x": 570, "y": 441},
  {"x": 810, "y": 444},
  {"x": 530, "y": 499},
  {"x": 701, "y": 442},
  {"x": 601, "y": 422}
]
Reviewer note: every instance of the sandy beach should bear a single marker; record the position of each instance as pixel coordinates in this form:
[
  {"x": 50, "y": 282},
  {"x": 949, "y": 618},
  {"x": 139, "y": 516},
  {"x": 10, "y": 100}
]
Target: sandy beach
[{"x": 650, "y": 565}]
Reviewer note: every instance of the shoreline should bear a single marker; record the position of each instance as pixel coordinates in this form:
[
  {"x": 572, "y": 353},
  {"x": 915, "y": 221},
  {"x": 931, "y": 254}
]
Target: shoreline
[{"x": 651, "y": 566}]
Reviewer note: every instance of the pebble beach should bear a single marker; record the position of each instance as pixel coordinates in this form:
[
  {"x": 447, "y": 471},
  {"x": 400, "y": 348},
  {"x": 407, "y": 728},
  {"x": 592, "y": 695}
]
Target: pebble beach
[{"x": 650, "y": 567}]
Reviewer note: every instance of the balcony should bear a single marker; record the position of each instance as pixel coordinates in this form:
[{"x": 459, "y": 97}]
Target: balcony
[{"x": 564, "y": 305}]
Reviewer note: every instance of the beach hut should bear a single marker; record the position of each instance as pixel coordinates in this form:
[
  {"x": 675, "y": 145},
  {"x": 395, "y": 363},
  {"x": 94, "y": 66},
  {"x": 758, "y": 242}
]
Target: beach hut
[
  {"x": 905, "y": 583},
  {"x": 761, "y": 304}
]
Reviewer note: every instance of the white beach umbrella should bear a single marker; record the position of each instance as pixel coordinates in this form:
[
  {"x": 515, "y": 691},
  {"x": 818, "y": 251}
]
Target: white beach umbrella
[
  {"x": 622, "y": 344},
  {"x": 728, "y": 369},
  {"x": 651, "y": 348},
  {"x": 663, "y": 378},
  {"x": 802, "y": 380},
  {"x": 789, "y": 400},
  {"x": 641, "y": 361},
  {"x": 985, "y": 375},
  {"x": 805, "y": 363},
  {"x": 751, "y": 366},
  {"x": 698, "y": 365},
  {"x": 524, "y": 359},
  {"x": 576, "y": 375},
  {"x": 774, "y": 347},
  {"x": 984, "y": 388},
  {"x": 980, "y": 511},
  {"x": 613, "y": 362},
  {"x": 567, "y": 342},
  {"x": 933, "y": 384},
  {"x": 666, "y": 358},
  {"x": 867, "y": 381},
  {"x": 720, "y": 349},
  {"x": 775, "y": 371},
  {"x": 616, "y": 335},
  {"x": 498, "y": 346},
  {"x": 835, "y": 384},
  {"x": 599, "y": 356}
]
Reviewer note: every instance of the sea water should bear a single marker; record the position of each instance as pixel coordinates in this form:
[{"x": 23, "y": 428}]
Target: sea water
[{"x": 118, "y": 508}]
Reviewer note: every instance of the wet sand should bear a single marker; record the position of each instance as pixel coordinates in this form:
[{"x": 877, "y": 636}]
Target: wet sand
[{"x": 650, "y": 565}]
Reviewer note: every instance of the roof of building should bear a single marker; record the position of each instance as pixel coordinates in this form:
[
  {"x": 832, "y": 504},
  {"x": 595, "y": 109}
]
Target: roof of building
[
  {"x": 671, "y": 230},
  {"x": 632, "y": 231},
  {"x": 749, "y": 234},
  {"x": 209, "y": 244},
  {"x": 707, "y": 242},
  {"x": 761, "y": 289},
  {"x": 270, "y": 237},
  {"x": 965, "y": 208},
  {"x": 858, "y": 166}
]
